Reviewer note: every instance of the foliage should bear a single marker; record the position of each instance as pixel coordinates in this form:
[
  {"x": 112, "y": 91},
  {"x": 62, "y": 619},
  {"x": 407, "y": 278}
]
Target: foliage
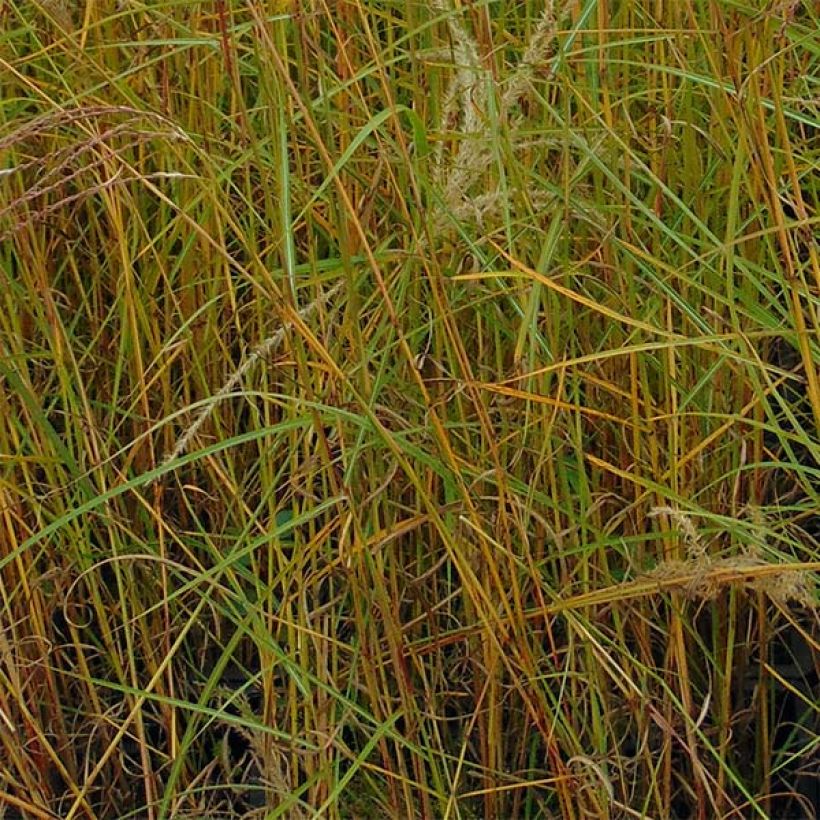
[{"x": 409, "y": 409}]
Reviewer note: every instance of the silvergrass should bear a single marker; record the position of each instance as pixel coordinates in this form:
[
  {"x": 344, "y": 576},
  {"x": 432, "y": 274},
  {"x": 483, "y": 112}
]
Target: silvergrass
[
  {"x": 522, "y": 524},
  {"x": 261, "y": 352},
  {"x": 467, "y": 100}
]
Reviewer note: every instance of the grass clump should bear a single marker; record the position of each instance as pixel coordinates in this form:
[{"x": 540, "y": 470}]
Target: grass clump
[{"x": 409, "y": 409}]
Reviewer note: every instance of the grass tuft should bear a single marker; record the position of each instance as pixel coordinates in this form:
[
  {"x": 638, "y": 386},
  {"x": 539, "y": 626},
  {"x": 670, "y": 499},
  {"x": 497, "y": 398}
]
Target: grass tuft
[{"x": 409, "y": 409}]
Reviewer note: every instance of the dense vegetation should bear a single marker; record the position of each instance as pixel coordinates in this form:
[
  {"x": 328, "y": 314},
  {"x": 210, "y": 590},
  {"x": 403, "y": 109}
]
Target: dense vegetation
[{"x": 409, "y": 408}]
